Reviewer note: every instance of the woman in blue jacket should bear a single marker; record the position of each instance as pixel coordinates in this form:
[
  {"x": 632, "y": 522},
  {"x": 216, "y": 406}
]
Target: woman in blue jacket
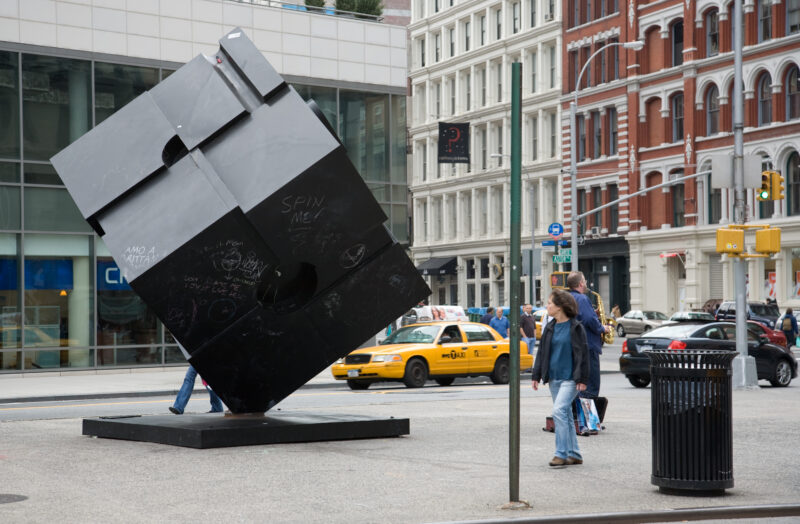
[{"x": 563, "y": 362}]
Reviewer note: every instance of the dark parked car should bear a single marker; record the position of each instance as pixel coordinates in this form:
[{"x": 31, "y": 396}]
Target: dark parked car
[
  {"x": 758, "y": 311},
  {"x": 773, "y": 362}
]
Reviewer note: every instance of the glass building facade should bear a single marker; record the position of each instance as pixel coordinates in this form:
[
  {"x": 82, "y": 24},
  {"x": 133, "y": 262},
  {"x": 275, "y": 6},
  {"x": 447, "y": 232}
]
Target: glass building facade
[{"x": 63, "y": 302}]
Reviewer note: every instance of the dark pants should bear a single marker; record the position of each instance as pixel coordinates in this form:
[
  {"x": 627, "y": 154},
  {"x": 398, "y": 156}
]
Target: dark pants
[
  {"x": 789, "y": 338},
  {"x": 593, "y": 387}
]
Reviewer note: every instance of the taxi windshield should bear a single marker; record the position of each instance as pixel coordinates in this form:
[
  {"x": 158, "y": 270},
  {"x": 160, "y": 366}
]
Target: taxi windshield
[{"x": 413, "y": 335}]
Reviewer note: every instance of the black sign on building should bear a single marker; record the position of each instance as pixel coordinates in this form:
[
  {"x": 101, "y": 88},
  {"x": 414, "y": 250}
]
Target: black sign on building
[{"x": 453, "y": 143}]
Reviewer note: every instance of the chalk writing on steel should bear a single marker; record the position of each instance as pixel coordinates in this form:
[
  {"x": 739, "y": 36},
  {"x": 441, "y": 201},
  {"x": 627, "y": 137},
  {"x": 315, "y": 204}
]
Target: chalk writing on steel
[
  {"x": 352, "y": 256},
  {"x": 139, "y": 257},
  {"x": 303, "y": 212}
]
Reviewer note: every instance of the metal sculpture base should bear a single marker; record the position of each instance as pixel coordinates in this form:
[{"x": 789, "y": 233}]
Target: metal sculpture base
[{"x": 213, "y": 430}]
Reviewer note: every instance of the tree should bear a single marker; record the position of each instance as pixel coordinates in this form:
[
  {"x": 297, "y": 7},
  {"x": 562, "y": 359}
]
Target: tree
[
  {"x": 318, "y": 4},
  {"x": 366, "y": 7}
]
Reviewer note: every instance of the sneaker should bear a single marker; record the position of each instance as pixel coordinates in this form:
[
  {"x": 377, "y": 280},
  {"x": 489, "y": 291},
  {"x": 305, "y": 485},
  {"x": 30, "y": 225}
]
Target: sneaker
[
  {"x": 174, "y": 410},
  {"x": 557, "y": 462},
  {"x": 573, "y": 461}
]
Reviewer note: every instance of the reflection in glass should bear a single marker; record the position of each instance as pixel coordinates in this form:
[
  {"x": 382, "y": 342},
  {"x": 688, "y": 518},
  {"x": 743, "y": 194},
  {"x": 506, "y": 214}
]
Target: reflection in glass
[
  {"x": 10, "y": 317},
  {"x": 58, "y": 293},
  {"x": 9, "y": 172},
  {"x": 9, "y": 208},
  {"x": 52, "y": 209},
  {"x": 9, "y": 105},
  {"x": 363, "y": 128},
  {"x": 41, "y": 174},
  {"x": 123, "y": 319},
  {"x": 115, "y": 85},
  {"x": 398, "y": 138},
  {"x": 325, "y": 97},
  {"x": 57, "y": 91}
]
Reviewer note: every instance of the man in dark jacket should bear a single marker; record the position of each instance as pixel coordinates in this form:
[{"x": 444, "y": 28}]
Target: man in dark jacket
[
  {"x": 485, "y": 319},
  {"x": 594, "y": 331}
]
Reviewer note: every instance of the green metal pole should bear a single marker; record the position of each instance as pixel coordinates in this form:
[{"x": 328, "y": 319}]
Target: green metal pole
[{"x": 516, "y": 261}]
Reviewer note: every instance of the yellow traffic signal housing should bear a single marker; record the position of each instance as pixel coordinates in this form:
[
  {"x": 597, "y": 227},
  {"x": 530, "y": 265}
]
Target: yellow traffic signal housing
[
  {"x": 767, "y": 240},
  {"x": 776, "y": 186},
  {"x": 765, "y": 193},
  {"x": 730, "y": 241}
]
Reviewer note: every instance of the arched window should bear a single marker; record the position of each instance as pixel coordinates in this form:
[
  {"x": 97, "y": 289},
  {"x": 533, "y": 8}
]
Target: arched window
[
  {"x": 793, "y": 92},
  {"x": 792, "y": 179},
  {"x": 677, "y": 117},
  {"x": 792, "y": 17},
  {"x": 677, "y": 195},
  {"x": 677, "y": 43},
  {"x": 712, "y": 33},
  {"x": 764, "y": 100},
  {"x": 764, "y": 20},
  {"x": 712, "y": 111}
]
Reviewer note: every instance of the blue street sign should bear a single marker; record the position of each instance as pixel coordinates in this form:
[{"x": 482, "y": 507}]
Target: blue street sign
[
  {"x": 548, "y": 242},
  {"x": 555, "y": 230}
]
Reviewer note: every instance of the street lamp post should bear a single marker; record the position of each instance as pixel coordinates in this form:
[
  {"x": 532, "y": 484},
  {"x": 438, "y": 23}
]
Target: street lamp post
[{"x": 573, "y": 155}]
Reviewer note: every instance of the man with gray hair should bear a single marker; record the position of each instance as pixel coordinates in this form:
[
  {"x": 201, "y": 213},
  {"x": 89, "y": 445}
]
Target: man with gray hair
[{"x": 594, "y": 331}]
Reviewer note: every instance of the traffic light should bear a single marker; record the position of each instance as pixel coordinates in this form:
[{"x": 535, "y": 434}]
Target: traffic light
[
  {"x": 776, "y": 186},
  {"x": 766, "y": 186}
]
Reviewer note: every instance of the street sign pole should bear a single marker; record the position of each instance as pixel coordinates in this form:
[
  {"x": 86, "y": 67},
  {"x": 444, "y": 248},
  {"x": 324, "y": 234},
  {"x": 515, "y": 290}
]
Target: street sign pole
[{"x": 514, "y": 336}]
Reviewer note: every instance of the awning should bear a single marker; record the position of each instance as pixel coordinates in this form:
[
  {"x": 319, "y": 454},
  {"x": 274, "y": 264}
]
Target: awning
[{"x": 438, "y": 266}]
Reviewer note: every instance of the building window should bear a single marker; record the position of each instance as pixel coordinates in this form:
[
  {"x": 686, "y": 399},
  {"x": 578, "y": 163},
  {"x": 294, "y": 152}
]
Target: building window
[
  {"x": 468, "y": 89},
  {"x": 764, "y": 20},
  {"x": 792, "y": 179},
  {"x": 435, "y": 6},
  {"x": 500, "y": 145},
  {"x": 466, "y": 206},
  {"x": 422, "y": 52},
  {"x": 712, "y": 111},
  {"x": 677, "y": 118},
  {"x": 677, "y": 43},
  {"x": 573, "y": 70},
  {"x": 581, "y": 120},
  {"x": 613, "y": 135},
  {"x": 581, "y": 209},
  {"x": 534, "y": 138},
  {"x": 614, "y": 50},
  {"x": 437, "y": 48},
  {"x": 793, "y": 93},
  {"x": 712, "y": 33},
  {"x": 534, "y": 66},
  {"x": 714, "y": 204},
  {"x": 498, "y": 17},
  {"x": 792, "y": 17},
  {"x": 467, "y": 34},
  {"x": 553, "y": 135},
  {"x": 678, "y": 219},
  {"x": 483, "y": 87},
  {"x": 424, "y": 155},
  {"x": 515, "y": 18},
  {"x": 533, "y": 13},
  {"x": 499, "y": 82},
  {"x": 596, "y": 134},
  {"x": 552, "y": 66},
  {"x": 452, "y": 96},
  {"x": 613, "y": 211},
  {"x": 483, "y": 30},
  {"x": 483, "y": 149},
  {"x": 587, "y": 11},
  {"x": 452, "y": 33},
  {"x": 602, "y": 66},
  {"x": 438, "y": 100},
  {"x": 597, "y": 201},
  {"x": 764, "y": 100}
]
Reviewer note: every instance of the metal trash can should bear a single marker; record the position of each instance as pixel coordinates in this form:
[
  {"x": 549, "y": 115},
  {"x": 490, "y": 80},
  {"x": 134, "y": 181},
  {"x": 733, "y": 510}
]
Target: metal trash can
[{"x": 691, "y": 410}]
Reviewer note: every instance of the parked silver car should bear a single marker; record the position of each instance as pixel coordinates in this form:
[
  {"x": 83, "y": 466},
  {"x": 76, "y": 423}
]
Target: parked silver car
[{"x": 637, "y": 321}]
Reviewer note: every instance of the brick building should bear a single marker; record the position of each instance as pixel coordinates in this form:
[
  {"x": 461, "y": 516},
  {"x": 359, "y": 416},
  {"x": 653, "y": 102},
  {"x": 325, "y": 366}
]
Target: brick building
[{"x": 649, "y": 116}]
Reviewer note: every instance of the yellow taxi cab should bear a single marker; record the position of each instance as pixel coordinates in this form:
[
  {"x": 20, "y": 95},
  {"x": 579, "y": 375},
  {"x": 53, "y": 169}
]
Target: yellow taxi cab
[{"x": 441, "y": 350}]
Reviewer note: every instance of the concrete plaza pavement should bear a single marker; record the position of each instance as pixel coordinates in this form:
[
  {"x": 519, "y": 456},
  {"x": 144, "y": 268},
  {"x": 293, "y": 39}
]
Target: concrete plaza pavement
[{"x": 452, "y": 467}]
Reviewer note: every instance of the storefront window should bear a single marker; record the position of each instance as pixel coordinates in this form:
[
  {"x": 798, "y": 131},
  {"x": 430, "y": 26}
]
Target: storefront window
[
  {"x": 794, "y": 278},
  {"x": 770, "y": 291},
  {"x": 325, "y": 97},
  {"x": 57, "y": 91},
  {"x": 123, "y": 319},
  {"x": 9, "y": 207},
  {"x": 58, "y": 303},
  {"x": 9, "y": 105},
  {"x": 10, "y": 318},
  {"x": 115, "y": 85}
]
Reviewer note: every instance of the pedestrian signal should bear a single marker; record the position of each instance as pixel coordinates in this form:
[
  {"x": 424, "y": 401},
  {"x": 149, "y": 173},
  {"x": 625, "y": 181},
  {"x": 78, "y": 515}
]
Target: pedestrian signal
[
  {"x": 730, "y": 241},
  {"x": 776, "y": 186},
  {"x": 768, "y": 240},
  {"x": 766, "y": 186}
]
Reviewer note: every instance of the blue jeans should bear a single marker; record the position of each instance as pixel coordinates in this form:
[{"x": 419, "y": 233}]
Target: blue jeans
[
  {"x": 530, "y": 341},
  {"x": 563, "y": 393},
  {"x": 185, "y": 393}
]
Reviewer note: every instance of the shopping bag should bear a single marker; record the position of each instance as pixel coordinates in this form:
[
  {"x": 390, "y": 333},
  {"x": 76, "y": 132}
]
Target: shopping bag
[{"x": 589, "y": 413}]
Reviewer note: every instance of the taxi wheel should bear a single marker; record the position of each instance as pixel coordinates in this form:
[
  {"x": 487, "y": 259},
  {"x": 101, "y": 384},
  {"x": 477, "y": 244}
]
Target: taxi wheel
[
  {"x": 358, "y": 385},
  {"x": 416, "y": 373},
  {"x": 445, "y": 381},
  {"x": 501, "y": 373}
]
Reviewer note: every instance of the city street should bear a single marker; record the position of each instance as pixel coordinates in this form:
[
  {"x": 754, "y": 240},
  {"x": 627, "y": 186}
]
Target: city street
[{"x": 453, "y": 465}]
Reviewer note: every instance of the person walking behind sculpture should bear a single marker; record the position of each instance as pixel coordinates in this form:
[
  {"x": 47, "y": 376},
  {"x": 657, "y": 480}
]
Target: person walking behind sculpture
[
  {"x": 485, "y": 319},
  {"x": 500, "y": 323},
  {"x": 527, "y": 327},
  {"x": 185, "y": 393},
  {"x": 563, "y": 362},
  {"x": 594, "y": 331},
  {"x": 789, "y": 327}
]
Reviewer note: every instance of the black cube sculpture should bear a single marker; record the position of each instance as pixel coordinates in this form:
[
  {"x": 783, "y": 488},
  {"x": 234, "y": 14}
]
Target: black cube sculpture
[{"x": 233, "y": 210}]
